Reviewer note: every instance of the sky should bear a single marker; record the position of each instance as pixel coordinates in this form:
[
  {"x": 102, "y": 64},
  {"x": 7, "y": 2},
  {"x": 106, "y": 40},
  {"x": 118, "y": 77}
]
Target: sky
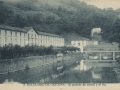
[{"x": 115, "y": 4}]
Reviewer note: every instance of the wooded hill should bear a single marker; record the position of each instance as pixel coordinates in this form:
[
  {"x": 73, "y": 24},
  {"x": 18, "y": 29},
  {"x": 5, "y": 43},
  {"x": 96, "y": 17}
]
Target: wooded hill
[{"x": 70, "y": 18}]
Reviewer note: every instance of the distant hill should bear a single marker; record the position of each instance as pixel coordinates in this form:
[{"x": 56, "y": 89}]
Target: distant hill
[{"x": 69, "y": 18}]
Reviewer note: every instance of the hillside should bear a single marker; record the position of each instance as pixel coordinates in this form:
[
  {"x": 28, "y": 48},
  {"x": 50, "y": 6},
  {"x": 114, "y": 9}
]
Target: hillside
[{"x": 71, "y": 19}]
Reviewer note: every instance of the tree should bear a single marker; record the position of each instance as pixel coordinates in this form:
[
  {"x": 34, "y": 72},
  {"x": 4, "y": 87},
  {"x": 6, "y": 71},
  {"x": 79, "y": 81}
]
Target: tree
[
  {"x": 5, "y": 13},
  {"x": 17, "y": 50},
  {"x": 18, "y": 21},
  {"x": 114, "y": 34}
]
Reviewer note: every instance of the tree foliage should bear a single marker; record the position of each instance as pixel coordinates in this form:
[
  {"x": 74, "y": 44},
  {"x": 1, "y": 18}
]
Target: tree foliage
[
  {"x": 12, "y": 51},
  {"x": 65, "y": 16}
]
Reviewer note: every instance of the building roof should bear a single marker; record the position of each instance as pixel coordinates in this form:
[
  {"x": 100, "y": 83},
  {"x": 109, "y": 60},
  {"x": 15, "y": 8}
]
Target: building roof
[
  {"x": 102, "y": 46},
  {"x": 81, "y": 38},
  {"x": 5, "y": 27},
  {"x": 26, "y": 29},
  {"x": 48, "y": 34}
]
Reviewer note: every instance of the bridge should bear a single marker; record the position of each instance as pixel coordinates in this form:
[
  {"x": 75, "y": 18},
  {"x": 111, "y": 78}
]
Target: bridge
[{"x": 102, "y": 52}]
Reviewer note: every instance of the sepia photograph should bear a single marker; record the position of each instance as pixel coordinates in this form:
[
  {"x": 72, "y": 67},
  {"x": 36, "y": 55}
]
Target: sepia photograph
[{"x": 60, "y": 43}]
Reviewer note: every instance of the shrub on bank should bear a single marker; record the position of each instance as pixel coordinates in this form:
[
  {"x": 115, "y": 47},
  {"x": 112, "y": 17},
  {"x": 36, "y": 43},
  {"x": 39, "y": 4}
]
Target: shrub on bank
[
  {"x": 69, "y": 49},
  {"x": 12, "y": 51}
]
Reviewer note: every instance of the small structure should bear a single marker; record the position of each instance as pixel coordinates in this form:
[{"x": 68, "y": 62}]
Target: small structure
[{"x": 82, "y": 42}]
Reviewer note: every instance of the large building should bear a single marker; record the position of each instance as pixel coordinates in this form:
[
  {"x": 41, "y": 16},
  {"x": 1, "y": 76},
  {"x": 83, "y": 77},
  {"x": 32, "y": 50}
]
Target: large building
[
  {"x": 81, "y": 43},
  {"x": 28, "y": 36}
]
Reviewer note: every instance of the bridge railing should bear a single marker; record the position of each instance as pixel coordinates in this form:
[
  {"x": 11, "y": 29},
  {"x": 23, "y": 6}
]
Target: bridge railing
[{"x": 101, "y": 55}]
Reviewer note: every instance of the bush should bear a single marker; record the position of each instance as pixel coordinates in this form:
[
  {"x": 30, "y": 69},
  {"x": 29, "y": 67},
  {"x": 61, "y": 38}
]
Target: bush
[{"x": 10, "y": 51}]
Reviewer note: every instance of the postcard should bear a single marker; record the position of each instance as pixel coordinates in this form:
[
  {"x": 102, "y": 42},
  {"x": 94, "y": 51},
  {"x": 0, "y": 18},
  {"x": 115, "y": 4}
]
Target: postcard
[{"x": 60, "y": 44}]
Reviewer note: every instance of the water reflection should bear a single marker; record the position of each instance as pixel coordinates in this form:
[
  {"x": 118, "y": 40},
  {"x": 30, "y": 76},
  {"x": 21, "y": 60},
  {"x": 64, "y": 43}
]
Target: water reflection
[
  {"x": 10, "y": 82},
  {"x": 87, "y": 71},
  {"x": 100, "y": 71},
  {"x": 96, "y": 74}
]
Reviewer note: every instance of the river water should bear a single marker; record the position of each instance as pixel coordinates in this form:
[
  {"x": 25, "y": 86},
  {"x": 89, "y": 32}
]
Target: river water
[{"x": 85, "y": 71}]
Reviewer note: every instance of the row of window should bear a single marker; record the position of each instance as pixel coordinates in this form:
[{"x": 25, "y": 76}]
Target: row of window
[
  {"x": 13, "y": 33},
  {"x": 19, "y": 40},
  {"x": 14, "y": 40},
  {"x": 10, "y": 40},
  {"x": 44, "y": 37}
]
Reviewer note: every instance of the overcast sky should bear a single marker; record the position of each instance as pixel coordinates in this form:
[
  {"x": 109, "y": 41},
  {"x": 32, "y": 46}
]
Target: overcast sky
[{"x": 115, "y": 4}]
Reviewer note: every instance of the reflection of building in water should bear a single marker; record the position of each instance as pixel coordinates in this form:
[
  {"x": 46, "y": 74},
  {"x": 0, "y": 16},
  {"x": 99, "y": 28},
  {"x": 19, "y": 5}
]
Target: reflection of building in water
[
  {"x": 102, "y": 52},
  {"x": 97, "y": 64},
  {"x": 83, "y": 66},
  {"x": 96, "y": 75}
]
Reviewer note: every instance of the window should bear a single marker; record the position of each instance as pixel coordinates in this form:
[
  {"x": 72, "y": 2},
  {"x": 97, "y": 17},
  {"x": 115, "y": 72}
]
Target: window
[
  {"x": 41, "y": 37},
  {"x": 15, "y": 40},
  {"x": 28, "y": 37},
  {"x": 11, "y": 40},
  {"x": 5, "y": 39},
  {"x": 24, "y": 41},
  {"x": 11, "y": 33},
  {"x": 32, "y": 35},
  {"x": 78, "y": 44},
  {"x": 5, "y": 33},
  {"x": 20, "y": 34},
  {"x": 32, "y": 40},
  {"x": 20, "y": 40},
  {"x": 15, "y": 34}
]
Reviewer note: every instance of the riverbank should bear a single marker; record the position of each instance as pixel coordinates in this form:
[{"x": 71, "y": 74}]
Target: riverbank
[{"x": 18, "y": 64}]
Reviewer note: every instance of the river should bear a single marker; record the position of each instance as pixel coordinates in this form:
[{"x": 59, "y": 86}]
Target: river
[{"x": 84, "y": 71}]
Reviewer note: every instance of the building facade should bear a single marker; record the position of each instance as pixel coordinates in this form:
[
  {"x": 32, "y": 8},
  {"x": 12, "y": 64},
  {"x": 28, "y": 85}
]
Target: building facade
[
  {"x": 83, "y": 42},
  {"x": 28, "y": 36}
]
